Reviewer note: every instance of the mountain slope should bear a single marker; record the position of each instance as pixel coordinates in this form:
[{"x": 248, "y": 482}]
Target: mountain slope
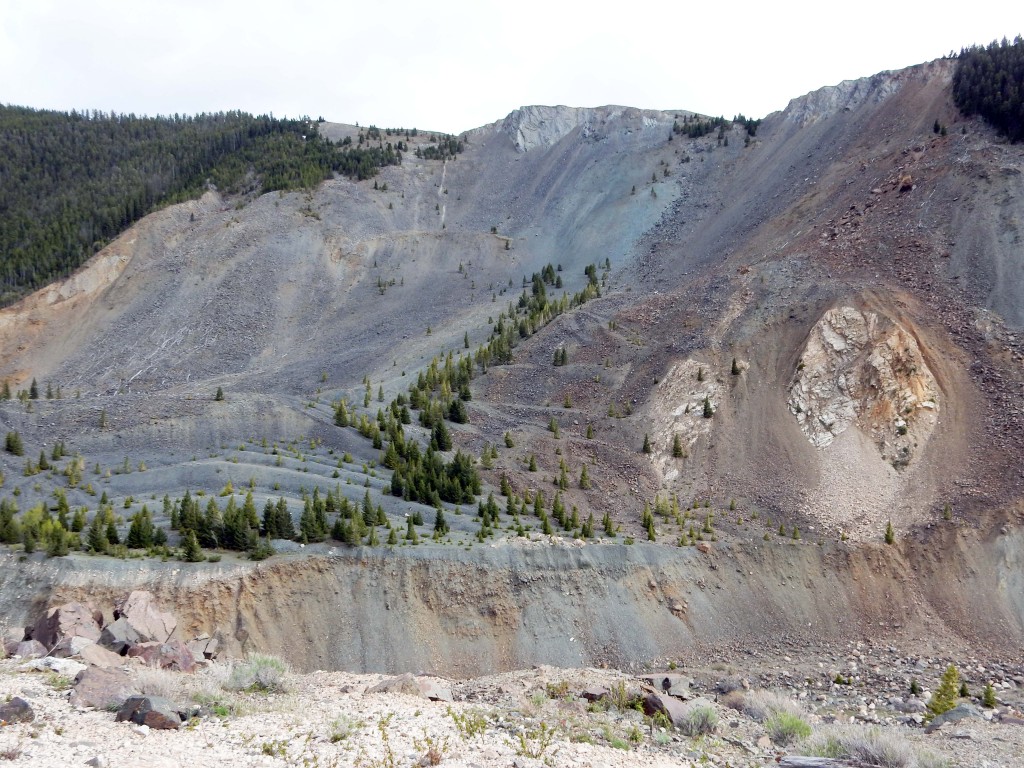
[{"x": 823, "y": 316}]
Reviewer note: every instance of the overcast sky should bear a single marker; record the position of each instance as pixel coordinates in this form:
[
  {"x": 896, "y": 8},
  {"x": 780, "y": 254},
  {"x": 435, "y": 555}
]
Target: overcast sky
[{"x": 453, "y": 65}]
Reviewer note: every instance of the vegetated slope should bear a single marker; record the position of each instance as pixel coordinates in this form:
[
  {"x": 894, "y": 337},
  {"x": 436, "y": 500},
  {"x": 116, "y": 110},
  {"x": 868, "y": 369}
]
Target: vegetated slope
[
  {"x": 841, "y": 290},
  {"x": 71, "y": 182}
]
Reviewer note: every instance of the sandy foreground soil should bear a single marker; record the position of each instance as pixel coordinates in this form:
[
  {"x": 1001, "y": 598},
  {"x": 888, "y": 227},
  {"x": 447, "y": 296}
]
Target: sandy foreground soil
[{"x": 524, "y": 718}]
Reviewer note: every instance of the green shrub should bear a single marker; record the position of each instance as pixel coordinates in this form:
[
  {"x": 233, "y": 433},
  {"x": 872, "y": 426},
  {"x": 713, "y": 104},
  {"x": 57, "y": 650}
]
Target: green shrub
[
  {"x": 258, "y": 673},
  {"x": 862, "y": 746},
  {"x": 700, "y": 721},
  {"x": 786, "y": 728}
]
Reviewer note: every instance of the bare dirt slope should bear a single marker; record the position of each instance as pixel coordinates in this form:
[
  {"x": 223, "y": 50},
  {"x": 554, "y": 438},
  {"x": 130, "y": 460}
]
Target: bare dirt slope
[{"x": 843, "y": 290}]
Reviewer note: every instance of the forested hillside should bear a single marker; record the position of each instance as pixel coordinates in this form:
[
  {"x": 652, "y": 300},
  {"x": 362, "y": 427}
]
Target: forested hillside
[
  {"x": 69, "y": 182},
  {"x": 989, "y": 82}
]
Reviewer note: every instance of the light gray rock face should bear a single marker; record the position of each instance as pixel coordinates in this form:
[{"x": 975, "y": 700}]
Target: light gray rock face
[
  {"x": 538, "y": 127},
  {"x": 145, "y": 617},
  {"x": 119, "y": 635},
  {"x": 862, "y": 369}
]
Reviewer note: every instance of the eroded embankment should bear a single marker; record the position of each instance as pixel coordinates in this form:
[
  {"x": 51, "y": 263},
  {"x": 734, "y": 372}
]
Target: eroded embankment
[{"x": 463, "y": 613}]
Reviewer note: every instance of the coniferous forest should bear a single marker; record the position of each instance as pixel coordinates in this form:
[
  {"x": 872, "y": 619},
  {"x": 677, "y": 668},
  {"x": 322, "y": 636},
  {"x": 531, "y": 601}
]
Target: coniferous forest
[
  {"x": 989, "y": 81},
  {"x": 70, "y": 182}
]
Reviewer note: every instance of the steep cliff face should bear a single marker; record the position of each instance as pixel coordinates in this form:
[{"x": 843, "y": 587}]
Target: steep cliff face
[{"x": 504, "y": 607}]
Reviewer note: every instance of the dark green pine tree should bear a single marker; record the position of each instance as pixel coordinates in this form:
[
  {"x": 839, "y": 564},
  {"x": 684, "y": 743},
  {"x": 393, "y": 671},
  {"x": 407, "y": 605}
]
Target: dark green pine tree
[
  {"x": 112, "y": 535},
  {"x": 97, "y": 541},
  {"x": 191, "y": 552},
  {"x": 440, "y": 524},
  {"x": 33, "y": 390}
]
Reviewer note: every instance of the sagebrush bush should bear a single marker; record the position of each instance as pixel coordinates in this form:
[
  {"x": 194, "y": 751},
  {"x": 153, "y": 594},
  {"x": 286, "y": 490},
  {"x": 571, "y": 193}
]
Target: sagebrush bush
[
  {"x": 786, "y": 728},
  {"x": 763, "y": 705},
  {"x": 258, "y": 672},
  {"x": 860, "y": 745},
  {"x": 699, "y": 721}
]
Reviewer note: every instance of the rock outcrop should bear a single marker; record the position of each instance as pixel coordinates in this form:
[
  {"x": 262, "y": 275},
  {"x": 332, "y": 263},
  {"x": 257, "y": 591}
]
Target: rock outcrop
[{"x": 860, "y": 369}]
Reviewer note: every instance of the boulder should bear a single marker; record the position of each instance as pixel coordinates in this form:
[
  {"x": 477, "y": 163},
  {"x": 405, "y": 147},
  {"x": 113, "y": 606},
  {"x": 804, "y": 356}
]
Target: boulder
[
  {"x": 670, "y": 683},
  {"x": 401, "y": 684},
  {"x": 414, "y": 686},
  {"x": 153, "y": 711},
  {"x": 669, "y": 706},
  {"x": 11, "y": 637},
  {"x": 119, "y": 635},
  {"x": 911, "y": 706},
  {"x": 101, "y": 688},
  {"x": 434, "y": 690},
  {"x": 97, "y": 656},
  {"x": 145, "y": 617},
  {"x": 955, "y": 715},
  {"x": 17, "y": 710},
  {"x": 595, "y": 693},
  {"x": 71, "y": 646},
  {"x": 64, "y": 667},
  {"x": 204, "y": 647},
  {"x": 68, "y": 620},
  {"x": 174, "y": 655},
  {"x": 29, "y": 649}
]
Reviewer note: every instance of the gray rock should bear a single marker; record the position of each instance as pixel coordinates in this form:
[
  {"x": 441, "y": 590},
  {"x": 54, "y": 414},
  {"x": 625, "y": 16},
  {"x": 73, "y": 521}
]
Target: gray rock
[
  {"x": 145, "y": 617},
  {"x": 152, "y": 711},
  {"x": 414, "y": 686},
  {"x": 434, "y": 690},
  {"x": 97, "y": 656},
  {"x": 911, "y": 705},
  {"x": 30, "y": 649},
  {"x": 955, "y": 715},
  {"x": 71, "y": 646},
  {"x": 204, "y": 647},
  {"x": 64, "y": 667},
  {"x": 101, "y": 688},
  {"x": 670, "y": 683},
  {"x": 17, "y": 710},
  {"x": 669, "y": 706},
  {"x": 119, "y": 635},
  {"x": 401, "y": 684}
]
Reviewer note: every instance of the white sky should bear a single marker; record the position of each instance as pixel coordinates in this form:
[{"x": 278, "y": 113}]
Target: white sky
[{"x": 457, "y": 64}]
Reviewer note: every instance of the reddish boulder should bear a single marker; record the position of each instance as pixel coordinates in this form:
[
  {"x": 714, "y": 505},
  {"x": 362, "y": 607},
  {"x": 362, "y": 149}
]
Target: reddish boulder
[
  {"x": 174, "y": 655},
  {"x": 153, "y": 711},
  {"x": 69, "y": 620},
  {"x": 101, "y": 688}
]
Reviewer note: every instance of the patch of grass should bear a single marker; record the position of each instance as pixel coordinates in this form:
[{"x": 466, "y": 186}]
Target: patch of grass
[
  {"x": 344, "y": 727},
  {"x": 534, "y": 742},
  {"x": 58, "y": 681},
  {"x": 469, "y": 724}
]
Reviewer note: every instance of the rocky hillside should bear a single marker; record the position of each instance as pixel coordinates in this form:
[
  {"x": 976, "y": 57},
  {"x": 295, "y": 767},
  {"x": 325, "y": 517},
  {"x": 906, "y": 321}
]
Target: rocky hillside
[{"x": 805, "y": 332}]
